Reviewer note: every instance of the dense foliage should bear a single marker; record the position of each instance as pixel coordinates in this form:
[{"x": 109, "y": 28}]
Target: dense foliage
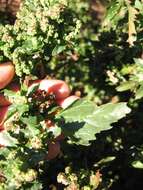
[{"x": 96, "y": 47}]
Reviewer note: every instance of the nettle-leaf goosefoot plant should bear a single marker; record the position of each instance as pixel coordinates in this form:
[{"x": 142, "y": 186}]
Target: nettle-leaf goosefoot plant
[
  {"x": 36, "y": 117},
  {"x": 45, "y": 107},
  {"x": 42, "y": 30}
]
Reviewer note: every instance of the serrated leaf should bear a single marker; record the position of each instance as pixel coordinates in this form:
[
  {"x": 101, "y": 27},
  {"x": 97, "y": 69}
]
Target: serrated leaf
[
  {"x": 99, "y": 119},
  {"x": 7, "y": 140},
  {"x": 32, "y": 127},
  {"x": 78, "y": 111},
  {"x": 107, "y": 114},
  {"x": 79, "y": 133}
]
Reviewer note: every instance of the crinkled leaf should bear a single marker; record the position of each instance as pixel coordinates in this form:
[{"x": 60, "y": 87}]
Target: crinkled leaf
[{"x": 7, "y": 140}]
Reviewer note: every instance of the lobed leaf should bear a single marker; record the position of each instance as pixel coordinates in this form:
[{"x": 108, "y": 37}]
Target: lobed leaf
[{"x": 83, "y": 120}]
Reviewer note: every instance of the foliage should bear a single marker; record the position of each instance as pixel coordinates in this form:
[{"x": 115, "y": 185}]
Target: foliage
[
  {"x": 42, "y": 34},
  {"x": 26, "y": 133},
  {"x": 83, "y": 120},
  {"x": 98, "y": 51}
]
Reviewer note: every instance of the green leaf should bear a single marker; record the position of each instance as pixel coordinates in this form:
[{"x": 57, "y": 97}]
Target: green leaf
[
  {"x": 32, "y": 44},
  {"x": 139, "y": 93},
  {"x": 19, "y": 104},
  {"x": 129, "y": 85},
  {"x": 105, "y": 161},
  {"x": 78, "y": 111},
  {"x": 107, "y": 114},
  {"x": 32, "y": 127},
  {"x": 16, "y": 110},
  {"x": 137, "y": 164},
  {"x": 139, "y": 6},
  {"x": 83, "y": 124},
  {"x": 15, "y": 97},
  {"x": 139, "y": 62},
  {"x": 79, "y": 133},
  {"x": 7, "y": 140},
  {"x": 115, "y": 9},
  {"x": 112, "y": 11},
  {"x": 58, "y": 49},
  {"x": 33, "y": 88}
]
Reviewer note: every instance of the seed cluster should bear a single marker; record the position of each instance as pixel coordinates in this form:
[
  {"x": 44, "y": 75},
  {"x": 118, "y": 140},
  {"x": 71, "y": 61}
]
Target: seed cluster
[{"x": 42, "y": 101}]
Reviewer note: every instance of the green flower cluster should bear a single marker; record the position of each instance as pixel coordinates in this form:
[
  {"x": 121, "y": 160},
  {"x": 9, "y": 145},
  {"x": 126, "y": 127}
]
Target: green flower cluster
[{"x": 42, "y": 29}]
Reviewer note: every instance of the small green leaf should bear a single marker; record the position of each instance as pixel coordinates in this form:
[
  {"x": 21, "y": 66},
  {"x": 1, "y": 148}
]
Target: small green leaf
[
  {"x": 58, "y": 49},
  {"x": 139, "y": 62},
  {"x": 105, "y": 160},
  {"x": 139, "y": 6},
  {"x": 139, "y": 93},
  {"x": 137, "y": 164},
  {"x": 112, "y": 16},
  {"x": 7, "y": 140},
  {"x": 16, "y": 110},
  {"x": 126, "y": 86},
  {"x": 33, "y": 88},
  {"x": 32, "y": 44},
  {"x": 32, "y": 127}
]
